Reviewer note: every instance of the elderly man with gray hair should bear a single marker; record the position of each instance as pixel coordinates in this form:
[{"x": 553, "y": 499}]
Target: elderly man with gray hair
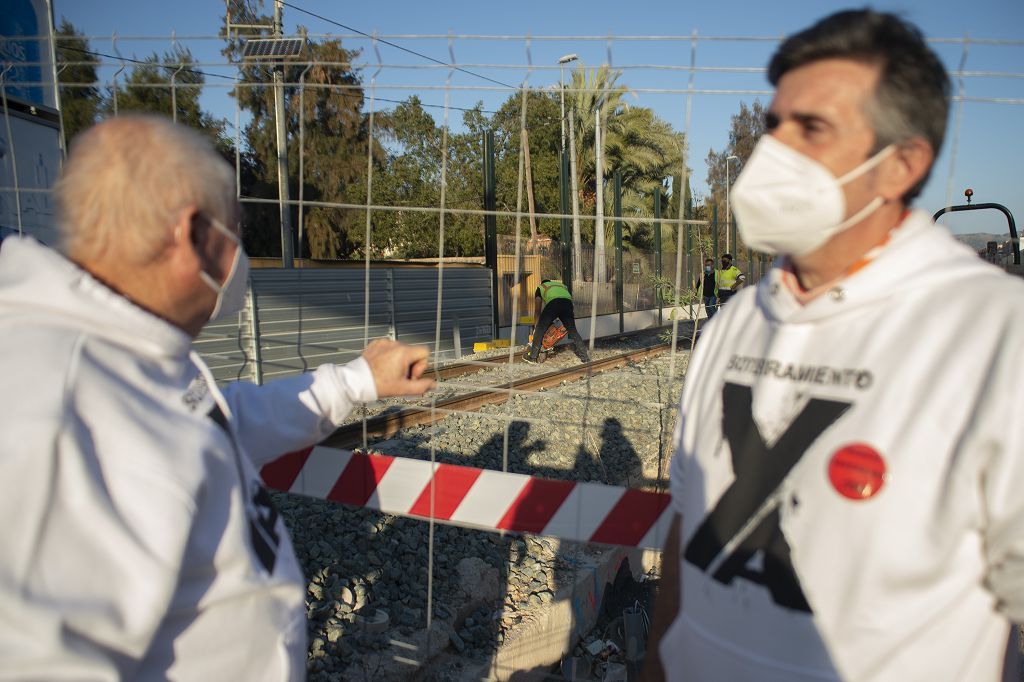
[{"x": 138, "y": 541}]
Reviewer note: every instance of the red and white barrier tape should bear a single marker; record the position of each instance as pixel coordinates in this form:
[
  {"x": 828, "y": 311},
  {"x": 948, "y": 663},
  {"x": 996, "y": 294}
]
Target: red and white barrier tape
[{"x": 476, "y": 498}]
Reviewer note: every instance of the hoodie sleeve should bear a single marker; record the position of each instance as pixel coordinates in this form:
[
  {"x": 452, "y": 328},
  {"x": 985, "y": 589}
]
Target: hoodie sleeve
[{"x": 293, "y": 413}]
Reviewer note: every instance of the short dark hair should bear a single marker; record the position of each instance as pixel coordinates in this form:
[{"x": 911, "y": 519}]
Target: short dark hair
[
  {"x": 912, "y": 97},
  {"x": 709, "y": 260},
  {"x": 727, "y": 255}
]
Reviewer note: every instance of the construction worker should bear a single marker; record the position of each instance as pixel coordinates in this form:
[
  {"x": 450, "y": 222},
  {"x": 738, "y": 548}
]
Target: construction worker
[
  {"x": 707, "y": 288},
  {"x": 552, "y": 301},
  {"x": 729, "y": 279}
]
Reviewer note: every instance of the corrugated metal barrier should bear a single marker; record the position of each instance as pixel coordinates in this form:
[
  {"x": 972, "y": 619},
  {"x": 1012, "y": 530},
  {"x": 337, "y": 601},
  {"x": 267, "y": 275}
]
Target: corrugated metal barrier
[{"x": 295, "y": 320}]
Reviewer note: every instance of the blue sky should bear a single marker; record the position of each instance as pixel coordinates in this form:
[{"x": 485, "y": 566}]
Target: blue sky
[{"x": 989, "y": 149}]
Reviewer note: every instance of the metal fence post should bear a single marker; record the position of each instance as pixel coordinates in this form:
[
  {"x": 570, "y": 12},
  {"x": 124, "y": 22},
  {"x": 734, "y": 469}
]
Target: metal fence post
[
  {"x": 393, "y": 314},
  {"x": 687, "y": 264},
  {"x": 491, "y": 226},
  {"x": 657, "y": 252},
  {"x": 566, "y": 227},
  {"x": 254, "y": 336},
  {"x": 617, "y": 199},
  {"x": 714, "y": 230},
  {"x": 732, "y": 230}
]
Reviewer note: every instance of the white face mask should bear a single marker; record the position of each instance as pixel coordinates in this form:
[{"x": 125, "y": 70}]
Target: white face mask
[
  {"x": 788, "y": 203},
  {"x": 230, "y": 294}
]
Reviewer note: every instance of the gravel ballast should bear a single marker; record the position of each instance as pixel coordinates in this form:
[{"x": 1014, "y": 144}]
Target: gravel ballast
[{"x": 367, "y": 597}]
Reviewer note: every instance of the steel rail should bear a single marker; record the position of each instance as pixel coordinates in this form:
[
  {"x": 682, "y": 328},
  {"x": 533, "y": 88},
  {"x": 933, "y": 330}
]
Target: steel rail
[
  {"x": 459, "y": 369},
  {"x": 387, "y": 424}
]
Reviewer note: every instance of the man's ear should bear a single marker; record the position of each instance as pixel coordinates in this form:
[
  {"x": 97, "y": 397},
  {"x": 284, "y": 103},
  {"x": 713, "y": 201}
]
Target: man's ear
[
  {"x": 187, "y": 237},
  {"x": 905, "y": 167}
]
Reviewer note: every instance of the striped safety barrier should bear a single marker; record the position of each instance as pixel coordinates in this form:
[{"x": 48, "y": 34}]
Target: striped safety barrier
[{"x": 476, "y": 498}]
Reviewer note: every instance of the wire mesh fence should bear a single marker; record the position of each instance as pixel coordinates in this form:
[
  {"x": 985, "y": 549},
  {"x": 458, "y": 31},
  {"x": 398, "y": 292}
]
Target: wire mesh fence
[{"x": 388, "y": 160}]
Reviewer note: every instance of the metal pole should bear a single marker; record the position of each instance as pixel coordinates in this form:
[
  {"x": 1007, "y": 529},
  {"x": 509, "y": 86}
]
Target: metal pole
[
  {"x": 727, "y": 212},
  {"x": 56, "y": 82},
  {"x": 566, "y": 229},
  {"x": 577, "y": 239},
  {"x": 491, "y": 225},
  {"x": 561, "y": 93},
  {"x": 282, "y": 150},
  {"x": 714, "y": 229},
  {"x": 657, "y": 252},
  {"x": 687, "y": 214},
  {"x": 599, "y": 256},
  {"x": 728, "y": 207},
  {"x": 617, "y": 207}
]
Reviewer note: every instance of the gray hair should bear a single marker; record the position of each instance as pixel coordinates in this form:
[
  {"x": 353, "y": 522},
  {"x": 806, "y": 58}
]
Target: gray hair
[{"x": 125, "y": 181}]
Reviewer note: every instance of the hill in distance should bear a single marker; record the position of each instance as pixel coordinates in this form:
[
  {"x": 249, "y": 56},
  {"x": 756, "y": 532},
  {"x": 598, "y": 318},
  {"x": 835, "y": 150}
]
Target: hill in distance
[{"x": 978, "y": 240}]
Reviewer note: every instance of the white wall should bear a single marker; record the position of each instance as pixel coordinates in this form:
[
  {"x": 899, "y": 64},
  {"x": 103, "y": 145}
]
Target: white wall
[{"x": 608, "y": 325}]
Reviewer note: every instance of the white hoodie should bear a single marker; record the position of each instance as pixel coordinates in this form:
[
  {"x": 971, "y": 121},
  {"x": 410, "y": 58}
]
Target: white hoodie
[
  {"x": 137, "y": 541},
  {"x": 856, "y": 511}
]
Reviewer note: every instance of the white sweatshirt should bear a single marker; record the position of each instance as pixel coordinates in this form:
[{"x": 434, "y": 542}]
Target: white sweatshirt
[
  {"x": 137, "y": 541},
  {"x": 850, "y": 476}
]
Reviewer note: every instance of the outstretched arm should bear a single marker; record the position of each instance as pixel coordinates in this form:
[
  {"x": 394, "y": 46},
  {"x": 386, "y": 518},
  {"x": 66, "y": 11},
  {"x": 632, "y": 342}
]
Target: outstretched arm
[{"x": 293, "y": 413}]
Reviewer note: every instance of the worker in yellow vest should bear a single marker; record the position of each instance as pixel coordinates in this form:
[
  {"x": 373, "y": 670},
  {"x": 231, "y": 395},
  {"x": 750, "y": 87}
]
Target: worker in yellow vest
[
  {"x": 552, "y": 301},
  {"x": 729, "y": 279}
]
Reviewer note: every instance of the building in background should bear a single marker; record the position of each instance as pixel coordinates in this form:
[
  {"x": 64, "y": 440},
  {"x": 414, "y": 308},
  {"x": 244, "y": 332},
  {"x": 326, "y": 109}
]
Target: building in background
[{"x": 30, "y": 128}]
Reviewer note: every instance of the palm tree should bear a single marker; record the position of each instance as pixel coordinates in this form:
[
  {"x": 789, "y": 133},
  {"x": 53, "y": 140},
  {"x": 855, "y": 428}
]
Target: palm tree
[{"x": 642, "y": 147}]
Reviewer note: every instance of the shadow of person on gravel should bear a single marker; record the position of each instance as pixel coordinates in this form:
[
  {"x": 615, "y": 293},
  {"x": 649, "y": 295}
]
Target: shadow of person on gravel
[
  {"x": 487, "y": 588},
  {"x": 545, "y": 573}
]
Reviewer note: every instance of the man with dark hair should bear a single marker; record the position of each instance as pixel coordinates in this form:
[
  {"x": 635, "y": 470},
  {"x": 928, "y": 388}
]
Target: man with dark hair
[
  {"x": 553, "y": 301},
  {"x": 707, "y": 288},
  {"x": 728, "y": 279},
  {"x": 848, "y": 463}
]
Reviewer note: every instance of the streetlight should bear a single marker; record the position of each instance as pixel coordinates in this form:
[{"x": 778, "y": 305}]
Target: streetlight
[
  {"x": 728, "y": 208},
  {"x": 561, "y": 67}
]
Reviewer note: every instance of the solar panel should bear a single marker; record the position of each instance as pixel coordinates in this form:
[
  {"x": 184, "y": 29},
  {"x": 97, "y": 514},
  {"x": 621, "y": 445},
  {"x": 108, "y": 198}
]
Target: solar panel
[{"x": 272, "y": 48}]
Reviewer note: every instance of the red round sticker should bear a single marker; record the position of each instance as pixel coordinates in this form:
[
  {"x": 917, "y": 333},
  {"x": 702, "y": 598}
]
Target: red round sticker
[{"x": 857, "y": 471}]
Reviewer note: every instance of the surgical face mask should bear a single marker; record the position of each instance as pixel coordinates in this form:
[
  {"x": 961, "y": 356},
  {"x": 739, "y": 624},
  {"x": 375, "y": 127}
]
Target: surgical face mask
[
  {"x": 788, "y": 203},
  {"x": 230, "y": 294},
  {"x": 708, "y": 268}
]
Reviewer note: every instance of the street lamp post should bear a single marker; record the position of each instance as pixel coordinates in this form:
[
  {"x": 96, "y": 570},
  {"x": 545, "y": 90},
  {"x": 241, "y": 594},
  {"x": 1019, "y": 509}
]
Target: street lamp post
[
  {"x": 561, "y": 91},
  {"x": 728, "y": 207},
  {"x": 577, "y": 242}
]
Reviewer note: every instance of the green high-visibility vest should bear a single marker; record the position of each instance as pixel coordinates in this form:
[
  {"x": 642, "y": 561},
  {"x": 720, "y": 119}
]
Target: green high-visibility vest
[{"x": 549, "y": 291}]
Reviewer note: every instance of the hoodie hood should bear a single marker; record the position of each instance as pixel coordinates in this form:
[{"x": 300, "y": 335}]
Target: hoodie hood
[
  {"x": 918, "y": 256},
  {"x": 39, "y": 284}
]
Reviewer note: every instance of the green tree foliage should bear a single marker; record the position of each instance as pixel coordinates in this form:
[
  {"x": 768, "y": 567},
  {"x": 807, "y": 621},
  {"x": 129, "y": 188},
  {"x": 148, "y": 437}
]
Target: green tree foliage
[
  {"x": 81, "y": 100},
  {"x": 411, "y": 177},
  {"x": 544, "y": 137},
  {"x": 641, "y": 146},
  {"x": 170, "y": 86},
  {"x": 328, "y": 132},
  {"x": 747, "y": 128}
]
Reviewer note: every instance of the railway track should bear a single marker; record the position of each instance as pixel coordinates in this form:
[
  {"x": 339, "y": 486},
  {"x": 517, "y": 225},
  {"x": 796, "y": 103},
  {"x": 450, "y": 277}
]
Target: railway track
[
  {"x": 387, "y": 424},
  {"x": 454, "y": 370}
]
